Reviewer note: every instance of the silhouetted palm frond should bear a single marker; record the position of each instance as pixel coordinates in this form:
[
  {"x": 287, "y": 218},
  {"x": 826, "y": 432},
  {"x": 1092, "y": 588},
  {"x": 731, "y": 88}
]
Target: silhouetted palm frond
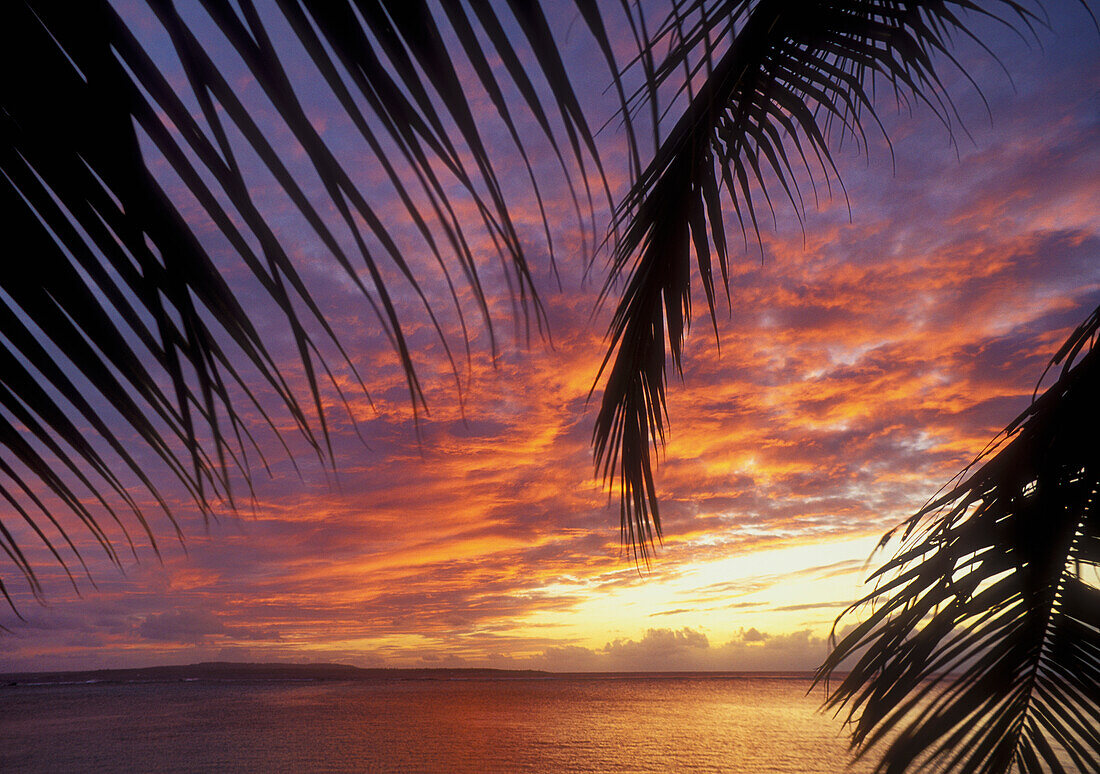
[
  {"x": 981, "y": 652},
  {"x": 116, "y": 323},
  {"x": 779, "y": 77}
]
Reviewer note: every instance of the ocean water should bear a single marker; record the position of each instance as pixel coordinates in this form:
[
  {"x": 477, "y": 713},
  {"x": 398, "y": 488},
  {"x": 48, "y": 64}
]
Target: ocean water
[{"x": 561, "y": 724}]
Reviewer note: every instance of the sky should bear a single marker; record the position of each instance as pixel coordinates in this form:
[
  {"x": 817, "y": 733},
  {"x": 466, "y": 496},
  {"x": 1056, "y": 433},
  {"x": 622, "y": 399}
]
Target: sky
[{"x": 865, "y": 358}]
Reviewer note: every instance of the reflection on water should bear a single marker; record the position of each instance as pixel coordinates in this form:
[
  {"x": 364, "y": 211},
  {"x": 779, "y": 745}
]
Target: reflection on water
[{"x": 565, "y": 724}]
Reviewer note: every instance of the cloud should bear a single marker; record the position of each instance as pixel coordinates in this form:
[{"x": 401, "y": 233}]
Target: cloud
[
  {"x": 181, "y": 626},
  {"x": 752, "y": 635},
  {"x": 658, "y": 646},
  {"x": 676, "y": 611},
  {"x": 690, "y": 650},
  {"x": 839, "y": 604},
  {"x": 862, "y": 365}
]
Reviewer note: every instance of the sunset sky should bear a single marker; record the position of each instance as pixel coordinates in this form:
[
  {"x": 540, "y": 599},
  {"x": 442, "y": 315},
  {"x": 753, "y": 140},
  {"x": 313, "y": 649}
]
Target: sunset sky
[{"x": 864, "y": 360}]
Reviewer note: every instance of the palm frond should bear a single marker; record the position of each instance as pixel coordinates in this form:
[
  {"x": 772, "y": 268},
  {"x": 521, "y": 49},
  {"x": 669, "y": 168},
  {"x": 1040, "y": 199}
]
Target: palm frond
[
  {"x": 116, "y": 320},
  {"x": 981, "y": 652},
  {"x": 781, "y": 78}
]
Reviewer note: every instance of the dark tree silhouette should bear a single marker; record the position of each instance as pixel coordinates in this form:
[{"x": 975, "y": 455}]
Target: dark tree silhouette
[
  {"x": 119, "y": 325},
  {"x": 118, "y": 310},
  {"x": 983, "y": 641}
]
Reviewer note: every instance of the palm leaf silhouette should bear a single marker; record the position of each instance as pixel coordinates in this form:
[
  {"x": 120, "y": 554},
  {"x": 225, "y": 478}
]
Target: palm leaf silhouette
[
  {"x": 981, "y": 652},
  {"x": 782, "y": 79},
  {"x": 118, "y": 323}
]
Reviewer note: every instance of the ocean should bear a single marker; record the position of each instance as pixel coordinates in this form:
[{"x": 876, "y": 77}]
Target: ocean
[{"x": 567, "y": 724}]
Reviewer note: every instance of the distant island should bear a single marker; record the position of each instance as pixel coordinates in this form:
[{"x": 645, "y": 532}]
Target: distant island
[
  {"x": 231, "y": 671},
  {"x": 234, "y": 671}
]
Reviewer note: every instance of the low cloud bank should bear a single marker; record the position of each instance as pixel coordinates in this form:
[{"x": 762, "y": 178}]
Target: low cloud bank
[{"x": 686, "y": 649}]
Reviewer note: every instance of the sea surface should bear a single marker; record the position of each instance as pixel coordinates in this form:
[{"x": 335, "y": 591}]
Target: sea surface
[{"x": 728, "y": 723}]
